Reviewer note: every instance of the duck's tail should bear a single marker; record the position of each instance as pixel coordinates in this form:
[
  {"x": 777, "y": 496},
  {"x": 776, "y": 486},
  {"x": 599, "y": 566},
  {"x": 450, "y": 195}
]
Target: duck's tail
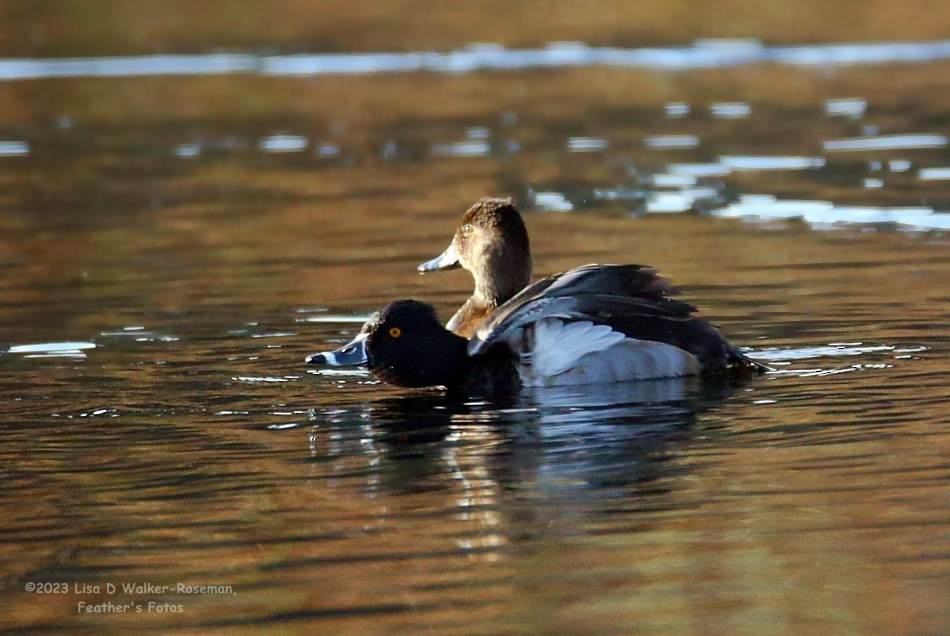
[{"x": 742, "y": 366}]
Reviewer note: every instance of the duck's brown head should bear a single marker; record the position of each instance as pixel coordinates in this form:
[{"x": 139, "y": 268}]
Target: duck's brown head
[{"x": 491, "y": 243}]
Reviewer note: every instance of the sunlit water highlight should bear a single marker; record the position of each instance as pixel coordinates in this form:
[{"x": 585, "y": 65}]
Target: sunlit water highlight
[
  {"x": 14, "y": 148},
  {"x": 704, "y": 54}
]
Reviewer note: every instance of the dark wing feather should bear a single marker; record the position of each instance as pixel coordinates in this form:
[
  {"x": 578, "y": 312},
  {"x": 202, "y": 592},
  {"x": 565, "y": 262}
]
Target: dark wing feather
[
  {"x": 650, "y": 320},
  {"x": 630, "y": 299},
  {"x": 615, "y": 281},
  {"x": 635, "y": 281}
]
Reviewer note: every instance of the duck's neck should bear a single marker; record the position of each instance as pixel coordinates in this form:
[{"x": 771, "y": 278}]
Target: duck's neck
[
  {"x": 506, "y": 275},
  {"x": 446, "y": 362}
]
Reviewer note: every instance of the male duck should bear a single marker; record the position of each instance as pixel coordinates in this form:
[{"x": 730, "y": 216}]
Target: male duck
[
  {"x": 492, "y": 244},
  {"x": 593, "y": 324}
]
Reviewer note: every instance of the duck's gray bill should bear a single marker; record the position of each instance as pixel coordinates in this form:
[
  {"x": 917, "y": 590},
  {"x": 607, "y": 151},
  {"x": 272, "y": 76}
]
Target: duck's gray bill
[
  {"x": 449, "y": 259},
  {"x": 350, "y": 354}
]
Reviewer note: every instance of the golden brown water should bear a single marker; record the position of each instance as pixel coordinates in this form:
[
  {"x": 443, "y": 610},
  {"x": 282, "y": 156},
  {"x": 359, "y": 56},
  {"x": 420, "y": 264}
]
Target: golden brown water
[{"x": 152, "y": 223}]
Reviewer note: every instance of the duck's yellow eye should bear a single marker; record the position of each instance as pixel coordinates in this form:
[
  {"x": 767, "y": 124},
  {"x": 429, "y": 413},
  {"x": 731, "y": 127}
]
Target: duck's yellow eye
[
  {"x": 395, "y": 332},
  {"x": 467, "y": 228}
]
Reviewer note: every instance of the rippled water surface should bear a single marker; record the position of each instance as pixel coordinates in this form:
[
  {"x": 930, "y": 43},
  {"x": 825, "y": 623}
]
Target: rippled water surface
[{"x": 172, "y": 247}]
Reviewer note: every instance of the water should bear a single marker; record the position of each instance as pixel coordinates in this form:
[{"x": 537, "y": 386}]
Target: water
[
  {"x": 703, "y": 54},
  {"x": 173, "y": 251}
]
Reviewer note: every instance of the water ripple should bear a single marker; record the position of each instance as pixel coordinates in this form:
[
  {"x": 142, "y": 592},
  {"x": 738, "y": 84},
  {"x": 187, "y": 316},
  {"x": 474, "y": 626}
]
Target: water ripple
[
  {"x": 53, "y": 349},
  {"x": 702, "y": 54}
]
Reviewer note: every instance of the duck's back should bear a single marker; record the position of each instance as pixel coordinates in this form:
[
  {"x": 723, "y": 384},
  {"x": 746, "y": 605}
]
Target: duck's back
[{"x": 604, "y": 323}]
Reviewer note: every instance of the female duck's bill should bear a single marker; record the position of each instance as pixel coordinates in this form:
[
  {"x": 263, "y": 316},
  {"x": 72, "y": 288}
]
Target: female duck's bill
[
  {"x": 449, "y": 259},
  {"x": 491, "y": 243},
  {"x": 593, "y": 324}
]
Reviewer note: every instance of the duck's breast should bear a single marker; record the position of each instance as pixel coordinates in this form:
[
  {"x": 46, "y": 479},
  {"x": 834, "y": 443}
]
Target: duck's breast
[
  {"x": 558, "y": 352},
  {"x": 469, "y": 317}
]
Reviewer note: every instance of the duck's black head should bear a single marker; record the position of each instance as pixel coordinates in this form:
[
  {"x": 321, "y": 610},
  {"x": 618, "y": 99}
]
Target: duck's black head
[
  {"x": 491, "y": 243},
  {"x": 404, "y": 344}
]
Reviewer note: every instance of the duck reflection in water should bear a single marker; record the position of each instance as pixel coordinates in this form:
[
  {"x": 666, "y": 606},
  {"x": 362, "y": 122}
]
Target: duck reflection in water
[{"x": 559, "y": 441}]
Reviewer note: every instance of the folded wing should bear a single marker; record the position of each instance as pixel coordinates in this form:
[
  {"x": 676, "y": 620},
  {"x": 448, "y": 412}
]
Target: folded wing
[{"x": 607, "y": 323}]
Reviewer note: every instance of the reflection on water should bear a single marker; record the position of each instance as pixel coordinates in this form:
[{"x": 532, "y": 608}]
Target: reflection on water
[
  {"x": 740, "y": 164},
  {"x": 462, "y": 148},
  {"x": 733, "y": 110},
  {"x": 887, "y": 142},
  {"x": 853, "y": 107},
  {"x": 586, "y": 144},
  {"x": 172, "y": 248},
  {"x": 560, "y": 441},
  {"x": 822, "y": 213},
  {"x": 672, "y": 141},
  {"x": 69, "y": 349},
  {"x": 283, "y": 143},
  {"x": 14, "y": 148},
  {"x": 933, "y": 174},
  {"x": 703, "y": 54}
]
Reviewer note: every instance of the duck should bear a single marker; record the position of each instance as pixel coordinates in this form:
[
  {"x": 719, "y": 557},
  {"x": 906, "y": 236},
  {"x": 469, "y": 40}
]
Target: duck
[
  {"x": 593, "y": 324},
  {"x": 491, "y": 243}
]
